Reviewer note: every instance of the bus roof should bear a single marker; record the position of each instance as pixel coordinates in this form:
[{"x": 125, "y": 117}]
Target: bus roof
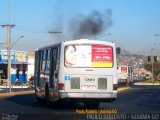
[
  {"x": 48, "y": 46},
  {"x": 78, "y": 41},
  {"x": 88, "y": 41}
]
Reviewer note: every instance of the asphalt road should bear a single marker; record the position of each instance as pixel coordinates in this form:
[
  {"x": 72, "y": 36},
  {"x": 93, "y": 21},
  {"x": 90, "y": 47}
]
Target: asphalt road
[{"x": 138, "y": 100}]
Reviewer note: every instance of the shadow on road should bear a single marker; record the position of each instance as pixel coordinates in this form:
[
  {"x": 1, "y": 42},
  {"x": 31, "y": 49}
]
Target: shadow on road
[
  {"x": 25, "y": 99},
  {"x": 27, "y": 108},
  {"x": 30, "y": 100}
]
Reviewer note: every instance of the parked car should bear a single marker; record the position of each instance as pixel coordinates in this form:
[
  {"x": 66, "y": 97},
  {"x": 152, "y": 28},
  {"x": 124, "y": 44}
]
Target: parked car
[{"x": 148, "y": 77}]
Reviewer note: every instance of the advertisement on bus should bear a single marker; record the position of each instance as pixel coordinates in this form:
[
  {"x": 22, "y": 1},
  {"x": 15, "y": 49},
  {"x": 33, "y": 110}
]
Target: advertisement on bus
[{"x": 94, "y": 56}]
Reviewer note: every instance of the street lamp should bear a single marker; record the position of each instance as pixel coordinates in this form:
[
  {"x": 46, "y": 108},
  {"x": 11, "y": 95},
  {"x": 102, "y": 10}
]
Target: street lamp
[
  {"x": 156, "y": 44},
  {"x": 152, "y": 59},
  {"x": 9, "y": 47},
  {"x": 152, "y": 63},
  {"x": 16, "y": 41}
]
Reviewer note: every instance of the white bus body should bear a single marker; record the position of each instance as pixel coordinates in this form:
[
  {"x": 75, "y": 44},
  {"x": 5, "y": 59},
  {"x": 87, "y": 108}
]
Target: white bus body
[{"x": 83, "y": 70}]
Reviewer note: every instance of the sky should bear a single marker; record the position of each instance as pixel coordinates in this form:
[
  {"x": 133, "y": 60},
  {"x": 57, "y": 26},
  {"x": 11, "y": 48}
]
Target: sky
[{"x": 134, "y": 25}]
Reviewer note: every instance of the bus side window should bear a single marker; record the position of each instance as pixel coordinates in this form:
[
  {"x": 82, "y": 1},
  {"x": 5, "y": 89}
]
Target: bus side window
[
  {"x": 38, "y": 63},
  {"x": 41, "y": 60},
  {"x": 58, "y": 57},
  {"x": 48, "y": 61},
  {"x": 44, "y": 60},
  {"x": 57, "y": 62},
  {"x": 53, "y": 65}
]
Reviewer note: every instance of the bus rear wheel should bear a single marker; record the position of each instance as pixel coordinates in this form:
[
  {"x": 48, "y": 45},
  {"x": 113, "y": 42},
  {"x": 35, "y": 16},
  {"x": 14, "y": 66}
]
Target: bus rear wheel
[{"x": 47, "y": 101}]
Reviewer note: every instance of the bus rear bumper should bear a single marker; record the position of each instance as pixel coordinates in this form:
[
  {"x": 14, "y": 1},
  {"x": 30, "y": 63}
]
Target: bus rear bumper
[{"x": 64, "y": 95}]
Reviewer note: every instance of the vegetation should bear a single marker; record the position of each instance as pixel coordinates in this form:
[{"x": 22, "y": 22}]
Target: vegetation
[
  {"x": 156, "y": 69},
  {"x": 151, "y": 81}
]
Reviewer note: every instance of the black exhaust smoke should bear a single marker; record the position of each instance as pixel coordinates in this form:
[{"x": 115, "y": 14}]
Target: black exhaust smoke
[{"x": 92, "y": 25}]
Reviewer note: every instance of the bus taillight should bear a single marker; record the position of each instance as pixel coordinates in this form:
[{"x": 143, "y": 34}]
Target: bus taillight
[
  {"x": 61, "y": 86},
  {"x": 115, "y": 86}
]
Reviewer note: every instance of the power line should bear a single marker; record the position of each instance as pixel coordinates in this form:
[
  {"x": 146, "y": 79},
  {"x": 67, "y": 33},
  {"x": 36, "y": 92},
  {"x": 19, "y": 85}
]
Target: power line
[
  {"x": 27, "y": 29},
  {"x": 30, "y": 29},
  {"x": 33, "y": 31},
  {"x": 8, "y": 25}
]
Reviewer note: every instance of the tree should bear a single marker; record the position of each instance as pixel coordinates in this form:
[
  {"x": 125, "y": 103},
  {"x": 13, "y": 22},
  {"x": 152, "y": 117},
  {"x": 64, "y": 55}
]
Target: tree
[{"x": 156, "y": 69}]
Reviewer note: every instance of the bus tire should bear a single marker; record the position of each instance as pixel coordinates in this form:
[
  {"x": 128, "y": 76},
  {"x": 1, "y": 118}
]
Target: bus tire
[
  {"x": 47, "y": 101},
  {"x": 38, "y": 99}
]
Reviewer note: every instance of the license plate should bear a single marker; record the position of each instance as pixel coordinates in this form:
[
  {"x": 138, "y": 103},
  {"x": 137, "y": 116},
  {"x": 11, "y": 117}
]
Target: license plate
[{"x": 88, "y": 87}]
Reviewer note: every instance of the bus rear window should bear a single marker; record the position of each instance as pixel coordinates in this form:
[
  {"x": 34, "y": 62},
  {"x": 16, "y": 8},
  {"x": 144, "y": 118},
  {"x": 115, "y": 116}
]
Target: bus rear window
[{"x": 88, "y": 56}]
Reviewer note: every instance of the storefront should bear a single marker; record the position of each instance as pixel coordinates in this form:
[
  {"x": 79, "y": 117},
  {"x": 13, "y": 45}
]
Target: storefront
[{"x": 19, "y": 65}]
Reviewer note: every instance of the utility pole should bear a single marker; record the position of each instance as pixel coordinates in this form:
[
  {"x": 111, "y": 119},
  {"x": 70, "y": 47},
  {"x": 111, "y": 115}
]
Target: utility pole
[
  {"x": 53, "y": 32},
  {"x": 9, "y": 26}
]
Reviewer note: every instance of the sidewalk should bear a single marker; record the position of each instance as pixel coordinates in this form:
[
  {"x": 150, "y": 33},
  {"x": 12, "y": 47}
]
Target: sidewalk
[
  {"x": 123, "y": 88},
  {"x": 141, "y": 83},
  {"x": 17, "y": 93},
  {"x": 32, "y": 91},
  {"x": 21, "y": 86}
]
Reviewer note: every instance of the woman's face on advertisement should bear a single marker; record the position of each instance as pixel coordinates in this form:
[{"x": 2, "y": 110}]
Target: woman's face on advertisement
[{"x": 70, "y": 56}]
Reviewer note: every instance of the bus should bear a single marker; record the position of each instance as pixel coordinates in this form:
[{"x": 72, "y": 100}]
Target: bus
[{"x": 79, "y": 70}]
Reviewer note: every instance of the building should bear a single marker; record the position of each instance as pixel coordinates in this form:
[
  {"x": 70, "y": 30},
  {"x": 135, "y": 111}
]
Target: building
[
  {"x": 19, "y": 65},
  {"x": 31, "y": 57}
]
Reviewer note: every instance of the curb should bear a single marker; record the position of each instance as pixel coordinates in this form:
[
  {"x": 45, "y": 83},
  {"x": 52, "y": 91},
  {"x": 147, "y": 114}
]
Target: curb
[
  {"x": 15, "y": 86},
  {"x": 146, "y": 84},
  {"x": 17, "y": 93},
  {"x": 123, "y": 88}
]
